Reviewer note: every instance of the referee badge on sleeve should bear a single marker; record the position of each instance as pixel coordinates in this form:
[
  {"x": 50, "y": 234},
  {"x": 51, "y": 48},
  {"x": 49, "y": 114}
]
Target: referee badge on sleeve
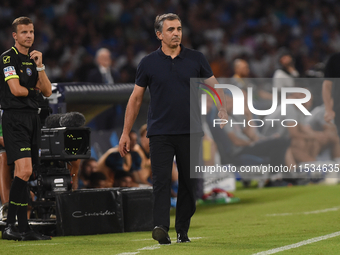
[{"x": 9, "y": 71}]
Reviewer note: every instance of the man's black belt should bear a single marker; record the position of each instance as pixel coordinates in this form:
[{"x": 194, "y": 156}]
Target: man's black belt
[{"x": 24, "y": 110}]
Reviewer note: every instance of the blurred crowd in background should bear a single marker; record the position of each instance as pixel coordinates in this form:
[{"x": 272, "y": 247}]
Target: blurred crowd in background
[
  {"x": 70, "y": 32},
  {"x": 240, "y": 39}
]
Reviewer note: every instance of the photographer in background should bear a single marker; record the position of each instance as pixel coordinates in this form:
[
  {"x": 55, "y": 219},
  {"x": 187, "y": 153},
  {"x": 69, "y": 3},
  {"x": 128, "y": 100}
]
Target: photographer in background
[{"x": 23, "y": 82}]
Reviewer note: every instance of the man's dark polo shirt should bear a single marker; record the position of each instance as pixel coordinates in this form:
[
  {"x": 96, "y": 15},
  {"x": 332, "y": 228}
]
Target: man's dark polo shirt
[{"x": 169, "y": 85}]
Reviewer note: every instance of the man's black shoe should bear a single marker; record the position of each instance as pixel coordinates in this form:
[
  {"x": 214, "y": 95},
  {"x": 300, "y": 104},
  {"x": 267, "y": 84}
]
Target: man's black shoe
[
  {"x": 11, "y": 233},
  {"x": 161, "y": 235},
  {"x": 32, "y": 235},
  {"x": 183, "y": 238}
]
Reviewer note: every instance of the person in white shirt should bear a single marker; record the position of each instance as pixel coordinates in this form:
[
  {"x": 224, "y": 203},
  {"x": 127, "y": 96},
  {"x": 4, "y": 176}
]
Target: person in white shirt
[{"x": 284, "y": 76}]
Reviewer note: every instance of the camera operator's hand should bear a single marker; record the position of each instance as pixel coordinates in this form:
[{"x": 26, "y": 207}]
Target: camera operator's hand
[{"x": 124, "y": 144}]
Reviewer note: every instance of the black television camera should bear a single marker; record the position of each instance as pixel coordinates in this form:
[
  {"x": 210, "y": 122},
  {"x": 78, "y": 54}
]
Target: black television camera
[{"x": 59, "y": 147}]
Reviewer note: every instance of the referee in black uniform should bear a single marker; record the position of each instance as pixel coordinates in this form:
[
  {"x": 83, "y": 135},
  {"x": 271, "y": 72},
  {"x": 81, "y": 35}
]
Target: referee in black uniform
[
  {"x": 167, "y": 72},
  {"x": 22, "y": 82}
]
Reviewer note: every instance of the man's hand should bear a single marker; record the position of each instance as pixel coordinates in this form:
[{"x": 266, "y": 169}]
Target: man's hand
[
  {"x": 329, "y": 115},
  {"x": 124, "y": 145},
  {"x": 2, "y": 141},
  {"x": 33, "y": 92},
  {"x": 37, "y": 57},
  {"x": 222, "y": 114}
]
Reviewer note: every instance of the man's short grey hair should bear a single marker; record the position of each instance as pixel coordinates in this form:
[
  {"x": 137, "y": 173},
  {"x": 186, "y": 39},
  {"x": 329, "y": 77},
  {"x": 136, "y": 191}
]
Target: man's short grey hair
[
  {"x": 160, "y": 20},
  {"x": 102, "y": 51}
]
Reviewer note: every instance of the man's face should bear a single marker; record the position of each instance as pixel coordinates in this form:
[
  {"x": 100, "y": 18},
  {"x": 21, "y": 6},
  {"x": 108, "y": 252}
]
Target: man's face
[
  {"x": 171, "y": 34},
  {"x": 125, "y": 182},
  {"x": 104, "y": 59},
  {"x": 243, "y": 69},
  {"x": 91, "y": 167},
  {"x": 24, "y": 35},
  {"x": 286, "y": 60}
]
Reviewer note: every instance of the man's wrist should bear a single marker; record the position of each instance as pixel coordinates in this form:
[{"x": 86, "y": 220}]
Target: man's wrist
[
  {"x": 32, "y": 92},
  {"x": 125, "y": 133},
  {"x": 41, "y": 68}
]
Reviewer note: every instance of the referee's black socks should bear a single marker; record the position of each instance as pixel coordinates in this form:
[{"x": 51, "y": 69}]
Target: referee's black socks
[
  {"x": 22, "y": 211},
  {"x": 17, "y": 205}
]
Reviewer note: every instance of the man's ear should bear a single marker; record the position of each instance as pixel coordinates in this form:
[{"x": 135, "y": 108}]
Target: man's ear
[
  {"x": 14, "y": 35},
  {"x": 159, "y": 36}
]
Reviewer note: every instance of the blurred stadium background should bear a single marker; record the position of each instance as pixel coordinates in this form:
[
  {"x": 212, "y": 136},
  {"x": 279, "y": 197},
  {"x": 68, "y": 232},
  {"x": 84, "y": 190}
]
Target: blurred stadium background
[{"x": 70, "y": 32}]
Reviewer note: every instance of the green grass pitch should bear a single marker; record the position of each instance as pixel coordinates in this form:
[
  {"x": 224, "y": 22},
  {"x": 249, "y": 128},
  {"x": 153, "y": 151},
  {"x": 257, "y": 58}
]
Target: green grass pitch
[{"x": 264, "y": 219}]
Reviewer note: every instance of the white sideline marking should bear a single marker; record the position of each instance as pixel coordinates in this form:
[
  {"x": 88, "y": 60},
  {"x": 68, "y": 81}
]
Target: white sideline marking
[
  {"x": 292, "y": 246},
  {"x": 311, "y": 212},
  {"x": 147, "y": 248},
  {"x": 150, "y": 248},
  {"x": 128, "y": 253},
  {"x": 195, "y": 238}
]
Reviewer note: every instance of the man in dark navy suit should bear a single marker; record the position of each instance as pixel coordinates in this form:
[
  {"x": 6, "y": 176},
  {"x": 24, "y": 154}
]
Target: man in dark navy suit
[{"x": 103, "y": 73}]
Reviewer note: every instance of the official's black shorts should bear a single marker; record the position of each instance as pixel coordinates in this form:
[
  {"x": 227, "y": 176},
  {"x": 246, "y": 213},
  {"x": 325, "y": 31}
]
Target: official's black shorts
[{"x": 22, "y": 134}]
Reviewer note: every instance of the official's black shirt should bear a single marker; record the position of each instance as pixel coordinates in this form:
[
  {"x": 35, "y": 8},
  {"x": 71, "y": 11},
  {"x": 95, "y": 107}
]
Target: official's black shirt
[
  {"x": 332, "y": 70},
  {"x": 169, "y": 85},
  {"x": 16, "y": 65}
]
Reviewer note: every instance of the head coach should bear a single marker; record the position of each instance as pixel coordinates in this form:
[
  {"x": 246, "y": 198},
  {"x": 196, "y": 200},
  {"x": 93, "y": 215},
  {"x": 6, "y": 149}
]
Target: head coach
[{"x": 167, "y": 72}]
